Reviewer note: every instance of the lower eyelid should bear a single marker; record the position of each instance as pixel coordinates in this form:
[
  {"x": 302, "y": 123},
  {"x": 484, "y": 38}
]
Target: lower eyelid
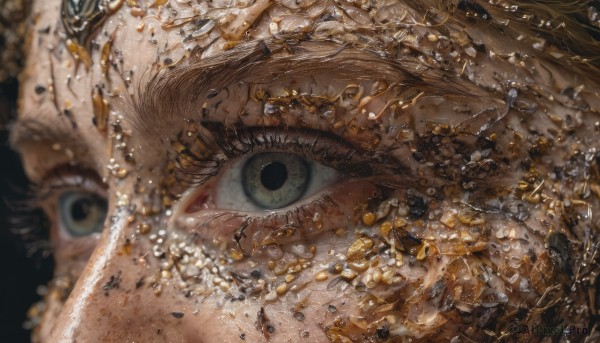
[{"x": 334, "y": 209}]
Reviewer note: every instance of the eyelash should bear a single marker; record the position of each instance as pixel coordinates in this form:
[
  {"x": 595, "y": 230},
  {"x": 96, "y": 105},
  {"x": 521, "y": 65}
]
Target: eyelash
[
  {"x": 32, "y": 224},
  {"x": 28, "y": 221},
  {"x": 230, "y": 144},
  {"x": 233, "y": 143},
  {"x": 27, "y": 217}
]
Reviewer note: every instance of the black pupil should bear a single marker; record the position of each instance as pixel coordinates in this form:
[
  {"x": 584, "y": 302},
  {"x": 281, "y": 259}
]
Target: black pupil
[
  {"x": 273, "y": 175},
  {"x": 81, "y": 209}
]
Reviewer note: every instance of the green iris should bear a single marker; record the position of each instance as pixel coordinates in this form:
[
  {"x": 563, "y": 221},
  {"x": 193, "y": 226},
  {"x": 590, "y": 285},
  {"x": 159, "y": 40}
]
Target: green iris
[{"x": 274, "y": 179}]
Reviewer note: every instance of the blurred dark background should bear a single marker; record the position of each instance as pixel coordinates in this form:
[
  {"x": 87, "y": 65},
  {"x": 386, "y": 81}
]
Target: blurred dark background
[{"x": 22, "y": 269}]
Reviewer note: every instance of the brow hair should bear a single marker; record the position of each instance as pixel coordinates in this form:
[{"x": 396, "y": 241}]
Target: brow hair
[
  {"x": 37, "y": 130},
  {"x": 179, "y": 91},
  {"x": 579, "y": 37},
  {"x": 563, "y": 24}
]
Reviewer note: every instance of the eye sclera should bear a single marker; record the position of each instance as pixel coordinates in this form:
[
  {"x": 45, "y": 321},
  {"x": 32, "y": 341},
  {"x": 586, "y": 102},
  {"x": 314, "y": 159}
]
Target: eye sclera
[
  {"x": 231, "y": 193},
  {"x": 220, "y": 146}
]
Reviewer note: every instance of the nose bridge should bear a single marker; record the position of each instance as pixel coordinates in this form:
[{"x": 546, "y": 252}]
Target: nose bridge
[{"x": 88, "y": 308}]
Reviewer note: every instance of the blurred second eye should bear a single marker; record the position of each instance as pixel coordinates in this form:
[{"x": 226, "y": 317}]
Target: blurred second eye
[{"x": 81, "y": 213}]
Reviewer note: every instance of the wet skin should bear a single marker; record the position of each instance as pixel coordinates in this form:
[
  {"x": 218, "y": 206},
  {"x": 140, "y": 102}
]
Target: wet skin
[{"x": 454, "y": 179}]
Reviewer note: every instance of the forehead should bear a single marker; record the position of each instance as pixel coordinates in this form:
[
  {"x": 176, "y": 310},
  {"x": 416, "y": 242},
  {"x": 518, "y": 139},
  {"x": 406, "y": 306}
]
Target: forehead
[{"x": 114, "y": 51}]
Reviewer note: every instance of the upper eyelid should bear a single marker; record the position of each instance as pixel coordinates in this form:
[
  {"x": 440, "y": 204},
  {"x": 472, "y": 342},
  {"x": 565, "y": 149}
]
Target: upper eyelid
[
  {"x": 65, "y": 176},
  {"x": 35, "y": 136},
  {"x": 245, "y": 134},
  {"x": 230, "y": 143}
]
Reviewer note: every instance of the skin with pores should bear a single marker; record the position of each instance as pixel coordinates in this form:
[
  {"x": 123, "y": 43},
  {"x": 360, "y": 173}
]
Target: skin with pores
[{"x": 463, "y": 199}]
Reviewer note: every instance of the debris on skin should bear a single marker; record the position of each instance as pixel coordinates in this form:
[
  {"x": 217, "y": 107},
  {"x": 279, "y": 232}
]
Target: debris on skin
[
  {"x": 100, "y": 105},
  {"x": 113, "y": 283},
  {"x": 177, "y": 315},
  {"x": 81, "y": 26},
  {"x": 474, "y": 8},
  {"x": 263, "y": 324},
  {"x": 457, "y": 246}
]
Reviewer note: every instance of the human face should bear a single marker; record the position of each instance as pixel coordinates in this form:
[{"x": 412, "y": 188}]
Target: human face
[{"x": 328, "y": 171}]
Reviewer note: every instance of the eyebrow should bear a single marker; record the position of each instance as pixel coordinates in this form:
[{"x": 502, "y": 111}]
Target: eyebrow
[
  {"x": 30, "y": 129},
  {"x": 175, "y": 94}
]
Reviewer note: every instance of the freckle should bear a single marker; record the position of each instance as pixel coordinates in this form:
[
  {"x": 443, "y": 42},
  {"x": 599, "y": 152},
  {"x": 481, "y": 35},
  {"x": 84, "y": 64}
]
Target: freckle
[
  {"x": 177, "y": 315},
  {"x": 39, "y": 89}
]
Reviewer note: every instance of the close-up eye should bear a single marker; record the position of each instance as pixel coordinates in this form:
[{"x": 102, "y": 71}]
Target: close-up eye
[
  {"x": 316, "y": 171},
  {"x": 272, "y": 180},
  {"x": 81, "y": 213}
]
